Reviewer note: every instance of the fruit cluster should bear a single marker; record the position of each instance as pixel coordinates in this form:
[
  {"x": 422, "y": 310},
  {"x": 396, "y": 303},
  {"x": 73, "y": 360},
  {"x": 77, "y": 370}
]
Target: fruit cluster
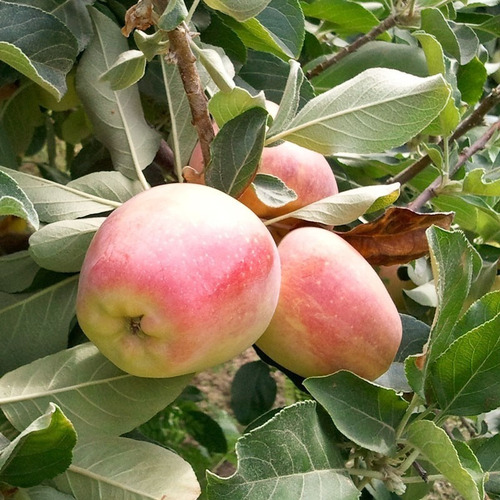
[{"x": 183, "y": 277}]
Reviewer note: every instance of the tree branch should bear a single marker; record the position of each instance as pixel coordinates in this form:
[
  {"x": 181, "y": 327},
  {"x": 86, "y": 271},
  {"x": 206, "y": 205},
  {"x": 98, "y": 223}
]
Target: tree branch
[
  {"x": 433, "y": 189},
  {"x": 388, "y": 23},
  {"x": 473, "y": 120},
  {"x": 186, "y": 62}
]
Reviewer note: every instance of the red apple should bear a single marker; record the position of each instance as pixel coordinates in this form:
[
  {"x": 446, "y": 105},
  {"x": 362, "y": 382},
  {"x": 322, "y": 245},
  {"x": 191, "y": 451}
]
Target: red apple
[
  {"x": 305, "y": 171},
  {"x": 180, "y": 278},
  {"x": 333, "y": 313}
]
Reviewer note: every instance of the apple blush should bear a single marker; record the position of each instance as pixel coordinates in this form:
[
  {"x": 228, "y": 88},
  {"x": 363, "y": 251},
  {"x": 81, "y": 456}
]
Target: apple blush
[{"x": 178, "y": 279}]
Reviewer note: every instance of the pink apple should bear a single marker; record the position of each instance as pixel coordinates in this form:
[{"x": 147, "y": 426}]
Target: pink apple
[
  {"x": 305, "y": 171},
  {"x": 333, "y": 313},
  {"x": 180, "y": 278}
]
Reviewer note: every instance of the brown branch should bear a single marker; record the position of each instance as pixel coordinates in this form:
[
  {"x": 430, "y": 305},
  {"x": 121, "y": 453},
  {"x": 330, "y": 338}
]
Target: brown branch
[
  {"x": 433, "y": 189},
  {"x": 473, "y": 120},
  {"x": 186, "y": 61},
  {"x": 388, "y": 23}
]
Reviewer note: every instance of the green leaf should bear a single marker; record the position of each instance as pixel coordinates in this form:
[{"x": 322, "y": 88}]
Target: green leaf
[
  {"x": 253, "y": 391},
  {"x": 205, "y": 430},
  {"x": 117, "y": 116},
  {"x": 290, "y": 457},
  {"x": 347, "y": 18},
  {"x": 488, "y": 453},
  {"x": 437, "y": 448},
  {"x": 272, "y": 191},
  {"x": 377, "y": 110},
  {"x": 471, "y": 464},
  {"x": 17, "y": 271},
  {"x": 38, "y": 321},
  {"x": 92, "y": 194},
  {"x": 239, "y": 9},
  {"x": 173, "y": 15},
  {"x": 463, "y": 380},
  {"x": 117, "y": 467},
  {"x": 218, "y": 65},
  {"x": 477, "y": 181},
  {"x": 236, "y": 152},
  {"x": 43, "y": 493},
  {"x": 13, "y": 201},
  {"x": 93, "y": 393},
  {"x": 38, "y": 45},
  {"x": 363, "y": 411},
  {"x": 290, "y": 100},
  {"x": 278, "y": 29},
  {"x": 42, "y": 451},
  {"x": 454, "y": 263},
  {"x": 128, "y": 69},
  {"x": 458, "y": 41},
  {"x": 7, "y": 154},
  {"x": 264, "y": 71},
  {"x": 61, "y": 246},
  {"x": 405, "y": 58},
  {"x": 471, "y": 79},
  {"x": 347, "y": 206},
  {"x": 225, "y": 106}
]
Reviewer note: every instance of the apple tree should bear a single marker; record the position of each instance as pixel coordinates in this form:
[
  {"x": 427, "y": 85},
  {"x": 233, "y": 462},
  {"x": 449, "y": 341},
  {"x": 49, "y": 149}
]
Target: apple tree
[{"x": 102, "y": 101}]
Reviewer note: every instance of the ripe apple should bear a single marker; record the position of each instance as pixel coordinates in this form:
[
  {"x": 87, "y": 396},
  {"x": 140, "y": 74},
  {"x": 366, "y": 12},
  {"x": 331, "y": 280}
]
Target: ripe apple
[
  {"x": 333, "y": 313},
  {"x": 305, "y": 171},
  {"x": 180, "y": 278}
]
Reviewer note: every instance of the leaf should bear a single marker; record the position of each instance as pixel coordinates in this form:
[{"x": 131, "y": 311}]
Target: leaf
[
  {"x": 264, "y": 71},
  {"x": 477, "y": 182},
  {"x": 173, "y": 15},
  {"x": 38, "y": 321},
  {"x": 347, "y": 18},
  {"x": 290, "y": 100},
  {"x": 93, "y": 393},
  {"x": 225, "y": 106},
  {"x": 13, "y": 201},
  {"x": 374, "y": 111},
  {"x": 278, "y": 29},
  {"x": 42, "y": 451},
  {"x": 236, "y": 152},
  {"x": 463, "y": 379},
  {"x": 38, "y": 45},
  {"x": 437, "y": 448},
  {"x": 459, "y": 41},
  {"x": 117, "y": 467},
  {"x": 363, "y": 411},
  {"x": 253, "y": 391},
  {"x": 405, "y": 58},
  {"x": 272, "y": 191},
  {"x": 17, "y": 271},
  {"x": 396, "y": 237},
  {"x": 454, "y": 263},
  {"x": 290, "y": 457},
  {"x": 488, "y": 453},
  {"x": 218, "y": 65},
  {"x": 205, "y": 430},
  {"x": 471, "y": 79},
  {"x": 471, "y": 464},
  {"x": 91, "y": 194},
  {"x": 345, "y": 207},
  {"x": 61, "y": 246},
  {"x": 44, "y": 493},
  {"x": 116, "y": 116},
  {"x": 128, "y": 69},
  {"x": 241, "y": 10}
]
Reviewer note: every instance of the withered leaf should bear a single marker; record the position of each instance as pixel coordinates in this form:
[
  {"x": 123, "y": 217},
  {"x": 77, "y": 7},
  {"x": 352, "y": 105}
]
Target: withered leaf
[{"x": 396, "y": 237}]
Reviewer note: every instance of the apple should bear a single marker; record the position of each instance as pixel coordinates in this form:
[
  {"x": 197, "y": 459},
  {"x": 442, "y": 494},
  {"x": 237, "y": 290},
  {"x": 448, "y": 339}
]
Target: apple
[
  {"x": 333, "y": 313},
  {"x": 179, "y": 278},
  {"x": 306, "y": 172}
]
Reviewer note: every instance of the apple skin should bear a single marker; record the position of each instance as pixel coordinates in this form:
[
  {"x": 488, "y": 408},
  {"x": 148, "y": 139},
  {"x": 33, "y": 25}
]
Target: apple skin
[
  {"x": 306, "y": 172},
  {"x": 333, "y": 313},
  {"x": 180, "y": 278}
]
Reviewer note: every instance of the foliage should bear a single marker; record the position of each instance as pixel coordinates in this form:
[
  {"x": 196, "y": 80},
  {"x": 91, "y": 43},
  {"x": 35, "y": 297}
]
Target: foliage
[{"x": 402, "y": 99}]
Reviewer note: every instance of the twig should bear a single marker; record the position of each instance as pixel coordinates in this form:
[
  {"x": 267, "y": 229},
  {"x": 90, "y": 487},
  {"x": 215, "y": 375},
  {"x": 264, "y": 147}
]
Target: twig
[
  {"x": 433, "y": 189},
  {"x": 186, "y": 62},
  {"x": 473, "y": 120},
  {"x": 386, "y": 24}
]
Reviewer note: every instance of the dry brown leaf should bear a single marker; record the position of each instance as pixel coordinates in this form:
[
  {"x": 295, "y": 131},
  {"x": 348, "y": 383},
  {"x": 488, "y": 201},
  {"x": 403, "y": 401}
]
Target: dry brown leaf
[
  {"x": 140, "y": 16},
  {"x": 396, "y": 237}
]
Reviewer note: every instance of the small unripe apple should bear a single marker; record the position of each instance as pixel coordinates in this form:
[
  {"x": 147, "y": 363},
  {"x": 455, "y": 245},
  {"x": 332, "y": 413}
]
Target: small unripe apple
[
  {"x": 306, "y": 172},
  {"x": 333, "y": 313},
  {"x": 180, "y": 278}
]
